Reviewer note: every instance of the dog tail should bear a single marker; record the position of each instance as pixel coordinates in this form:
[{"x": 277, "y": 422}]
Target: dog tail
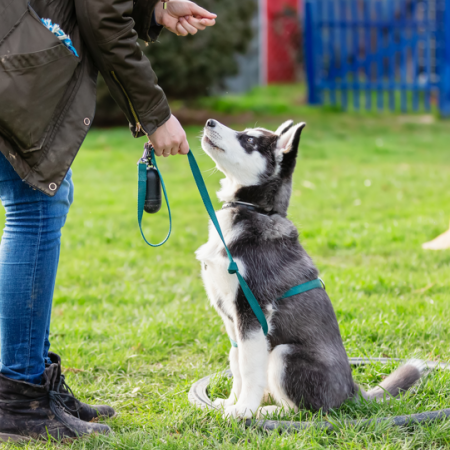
[{"x": 400, "y": 380}]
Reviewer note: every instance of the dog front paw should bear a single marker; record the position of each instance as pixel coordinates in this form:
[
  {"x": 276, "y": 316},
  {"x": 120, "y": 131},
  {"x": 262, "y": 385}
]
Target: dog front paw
[
  {"x": 238, "y": 412},
  {"x": 222, "y": 403}
]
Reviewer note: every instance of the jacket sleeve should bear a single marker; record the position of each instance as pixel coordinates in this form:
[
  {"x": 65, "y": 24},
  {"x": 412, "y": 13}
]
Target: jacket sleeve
[{"x": 107, "y": 29}]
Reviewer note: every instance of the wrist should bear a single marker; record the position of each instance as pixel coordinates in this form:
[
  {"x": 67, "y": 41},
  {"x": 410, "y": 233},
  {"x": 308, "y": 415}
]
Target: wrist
[{"x": 158, "y": 12}]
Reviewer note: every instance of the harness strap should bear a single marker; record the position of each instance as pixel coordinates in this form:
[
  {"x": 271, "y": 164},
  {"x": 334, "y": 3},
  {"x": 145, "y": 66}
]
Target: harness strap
[
  {"x": 249, "y": 206},
  {"x": 299, "y": 289},
  {"x": 142, "y": 188}
]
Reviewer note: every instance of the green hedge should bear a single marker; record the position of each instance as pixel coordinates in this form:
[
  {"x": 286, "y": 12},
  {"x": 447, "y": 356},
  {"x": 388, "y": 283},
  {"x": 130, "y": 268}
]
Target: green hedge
[{"x": 188, "y": 67}]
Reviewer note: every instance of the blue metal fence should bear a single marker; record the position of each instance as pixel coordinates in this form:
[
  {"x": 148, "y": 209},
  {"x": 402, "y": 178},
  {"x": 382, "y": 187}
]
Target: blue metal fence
[{"x": 378, "y": 53}]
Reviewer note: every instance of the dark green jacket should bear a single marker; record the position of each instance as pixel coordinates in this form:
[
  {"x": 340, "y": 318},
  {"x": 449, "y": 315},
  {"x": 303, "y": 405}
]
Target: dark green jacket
[{"x": 47, "y": 94}]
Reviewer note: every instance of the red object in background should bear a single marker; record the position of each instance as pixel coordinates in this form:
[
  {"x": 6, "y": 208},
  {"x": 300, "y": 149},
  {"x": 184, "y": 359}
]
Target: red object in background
[{"x": 282, "y": 40}]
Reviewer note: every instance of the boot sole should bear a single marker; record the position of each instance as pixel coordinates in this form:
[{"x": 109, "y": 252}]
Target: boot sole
[{"x": 5, "y": 437}]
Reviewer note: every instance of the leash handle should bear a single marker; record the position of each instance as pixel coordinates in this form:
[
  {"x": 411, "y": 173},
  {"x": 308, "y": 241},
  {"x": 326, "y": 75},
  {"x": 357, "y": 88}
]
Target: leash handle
[
  {"x": 148, "y": 160},
  {"x": 233, "y": 267}
]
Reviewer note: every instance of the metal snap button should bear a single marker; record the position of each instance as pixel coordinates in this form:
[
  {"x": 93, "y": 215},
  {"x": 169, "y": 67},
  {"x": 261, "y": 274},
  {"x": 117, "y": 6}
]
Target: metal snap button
[
  {"x": 87, "y": 121},
  {"x": 52, "y": 186}
]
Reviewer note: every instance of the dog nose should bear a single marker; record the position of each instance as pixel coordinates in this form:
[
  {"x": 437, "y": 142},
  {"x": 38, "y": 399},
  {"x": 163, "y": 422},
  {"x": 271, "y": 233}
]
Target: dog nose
[{"x": 211, "y": 123}]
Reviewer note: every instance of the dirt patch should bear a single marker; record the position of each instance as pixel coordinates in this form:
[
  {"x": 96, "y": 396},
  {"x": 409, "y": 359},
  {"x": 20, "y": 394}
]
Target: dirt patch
[{"x": 426, "y": 119}]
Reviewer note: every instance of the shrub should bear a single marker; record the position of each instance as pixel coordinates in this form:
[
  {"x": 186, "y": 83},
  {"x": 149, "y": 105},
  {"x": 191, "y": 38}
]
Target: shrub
[{"x": 192, "y": 66}]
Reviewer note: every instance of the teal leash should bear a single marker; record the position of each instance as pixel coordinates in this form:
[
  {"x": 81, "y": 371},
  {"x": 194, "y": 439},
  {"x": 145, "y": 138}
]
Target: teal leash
[
  {"x": 150, "y": 160},
  {"x": 232, "y": 267}
]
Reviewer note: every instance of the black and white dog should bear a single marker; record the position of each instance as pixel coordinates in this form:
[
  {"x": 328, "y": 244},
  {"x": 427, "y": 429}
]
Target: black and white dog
[{"x": 302, "y": 361}]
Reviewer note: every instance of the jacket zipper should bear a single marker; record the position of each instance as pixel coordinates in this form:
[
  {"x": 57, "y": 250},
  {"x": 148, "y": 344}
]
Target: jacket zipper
[{"x": 139, "y": 127}]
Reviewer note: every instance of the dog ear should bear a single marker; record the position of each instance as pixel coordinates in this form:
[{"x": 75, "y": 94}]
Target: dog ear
[
  {"x": 290, "y": 138},
  {"x": 287, "y": 147},
  {"x": 284, "y": 127}
]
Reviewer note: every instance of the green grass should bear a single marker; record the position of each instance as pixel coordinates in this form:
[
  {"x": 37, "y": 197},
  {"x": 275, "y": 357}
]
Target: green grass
[{"x": 135, "y": 328}]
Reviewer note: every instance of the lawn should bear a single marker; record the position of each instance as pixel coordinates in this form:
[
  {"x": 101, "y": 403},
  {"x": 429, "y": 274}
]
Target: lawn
[{"x": 133, "y": 324}]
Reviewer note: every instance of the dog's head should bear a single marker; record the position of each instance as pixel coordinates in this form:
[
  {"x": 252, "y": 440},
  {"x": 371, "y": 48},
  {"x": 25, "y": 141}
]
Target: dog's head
[{"x": 258, "y": 163}]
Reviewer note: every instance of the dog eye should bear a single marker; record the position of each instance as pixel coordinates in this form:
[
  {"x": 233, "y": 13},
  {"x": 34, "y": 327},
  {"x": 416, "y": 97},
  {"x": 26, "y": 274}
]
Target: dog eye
[{"x": 250, "y": 140}]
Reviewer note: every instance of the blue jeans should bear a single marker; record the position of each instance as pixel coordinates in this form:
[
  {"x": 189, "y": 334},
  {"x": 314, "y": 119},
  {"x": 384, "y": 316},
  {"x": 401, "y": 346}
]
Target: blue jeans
[{"x": 29, "y": 255}]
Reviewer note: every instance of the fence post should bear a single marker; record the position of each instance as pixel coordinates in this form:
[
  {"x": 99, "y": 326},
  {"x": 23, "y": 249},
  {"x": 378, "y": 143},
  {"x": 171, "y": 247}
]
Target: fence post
[
  {"x": 313, "y": 93},
  {"x": 444, "y": 89}
]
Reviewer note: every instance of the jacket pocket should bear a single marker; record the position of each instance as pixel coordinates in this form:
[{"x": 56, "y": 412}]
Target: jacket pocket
[{"x": 32, "y": 83}]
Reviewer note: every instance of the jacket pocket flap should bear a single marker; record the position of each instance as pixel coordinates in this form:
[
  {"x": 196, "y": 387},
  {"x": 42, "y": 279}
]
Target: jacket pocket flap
[{"x": 36, "y": 59}]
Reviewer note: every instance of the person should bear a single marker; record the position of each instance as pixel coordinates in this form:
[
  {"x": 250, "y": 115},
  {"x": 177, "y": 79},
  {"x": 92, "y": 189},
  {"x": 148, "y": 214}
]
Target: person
[
  {"x": 441, "y": 242},
  {"x": 47, "y": 93}
]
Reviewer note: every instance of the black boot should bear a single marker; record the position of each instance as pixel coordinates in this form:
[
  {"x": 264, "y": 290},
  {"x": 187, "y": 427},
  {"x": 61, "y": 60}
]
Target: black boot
[
  {"x": 36, "y": 411},
  {"x": 74, "y": 406}
]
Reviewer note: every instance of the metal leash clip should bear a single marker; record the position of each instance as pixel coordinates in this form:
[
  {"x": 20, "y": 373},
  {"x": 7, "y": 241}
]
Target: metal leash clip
[{"x": 147, "y": 155}]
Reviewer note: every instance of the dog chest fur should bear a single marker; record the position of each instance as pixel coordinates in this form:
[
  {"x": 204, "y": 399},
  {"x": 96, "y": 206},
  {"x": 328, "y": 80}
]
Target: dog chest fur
[{"x": 221, "y": 286}]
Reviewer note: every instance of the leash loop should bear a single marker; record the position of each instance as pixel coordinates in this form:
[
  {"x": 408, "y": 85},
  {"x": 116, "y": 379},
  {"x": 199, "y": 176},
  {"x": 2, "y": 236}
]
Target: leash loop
[{"x": 147, "y": 161}]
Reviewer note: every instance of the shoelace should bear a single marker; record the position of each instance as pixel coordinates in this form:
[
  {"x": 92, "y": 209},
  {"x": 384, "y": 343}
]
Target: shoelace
[
  {"x": 63, "y": 385},
  {"x": 58, "y": 408}
]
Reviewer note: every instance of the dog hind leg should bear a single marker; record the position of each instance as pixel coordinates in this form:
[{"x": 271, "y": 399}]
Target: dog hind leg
[{"x": 297, "y": 379}]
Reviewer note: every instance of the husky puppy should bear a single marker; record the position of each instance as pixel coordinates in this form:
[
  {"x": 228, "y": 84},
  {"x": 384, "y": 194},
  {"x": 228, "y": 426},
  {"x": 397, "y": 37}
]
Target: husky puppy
[{"x": 302, "y": 361}]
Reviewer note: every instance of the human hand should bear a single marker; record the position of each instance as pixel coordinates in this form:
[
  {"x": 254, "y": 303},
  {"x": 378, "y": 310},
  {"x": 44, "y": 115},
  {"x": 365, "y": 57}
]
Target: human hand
[
  {"x": 170, "y": 139},
  {"x": 183, "y": 17}
]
